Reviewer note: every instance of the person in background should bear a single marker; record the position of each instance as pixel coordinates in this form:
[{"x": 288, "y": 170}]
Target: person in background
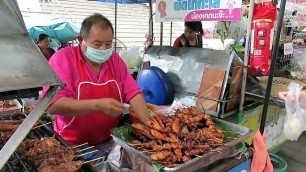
[
  {"x": 192, "y": 36},
  {"x": 43, "y": 44}
]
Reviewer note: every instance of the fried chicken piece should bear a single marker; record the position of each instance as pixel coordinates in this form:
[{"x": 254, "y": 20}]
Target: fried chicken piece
[
  {"x": 195, "y": 152},
  {"x": 153, "y": 124},
  {"x": 176, "y": 125},
  {"x": 56, "y": 159},
  {"x": 142, "y": 129},
  {"x": 160, "y": 155},
  {"x": 72, "y": 166},
  {"x": 186, "y": 158},
  {"x": 28, "y": 144},
  {"x": 56, "y": 153}
]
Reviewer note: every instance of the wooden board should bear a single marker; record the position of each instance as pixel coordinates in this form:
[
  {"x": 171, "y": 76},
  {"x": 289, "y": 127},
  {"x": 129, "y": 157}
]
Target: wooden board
[
  {"x": 211, "y": 87},
  {"x": 235, "y": 86}
]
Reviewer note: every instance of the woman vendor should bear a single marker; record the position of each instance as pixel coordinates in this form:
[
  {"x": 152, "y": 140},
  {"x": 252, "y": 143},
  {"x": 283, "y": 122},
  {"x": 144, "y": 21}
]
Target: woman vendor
[{"x": 192, "y": 36}]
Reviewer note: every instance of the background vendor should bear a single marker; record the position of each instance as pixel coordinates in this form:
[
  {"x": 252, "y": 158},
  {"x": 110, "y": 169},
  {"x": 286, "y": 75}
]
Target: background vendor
[
  {"x": 192, "y": 36},
  {"x": 43, "y": 44},
  {"x": 97, "y": 84}
]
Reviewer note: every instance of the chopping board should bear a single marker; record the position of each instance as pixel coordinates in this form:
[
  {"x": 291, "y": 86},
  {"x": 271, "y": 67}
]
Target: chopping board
[{"x": 210, "y": 87}]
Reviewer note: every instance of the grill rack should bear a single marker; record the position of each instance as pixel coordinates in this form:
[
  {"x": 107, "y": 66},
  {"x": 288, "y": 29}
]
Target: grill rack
[{"x": 19, "y": 162}]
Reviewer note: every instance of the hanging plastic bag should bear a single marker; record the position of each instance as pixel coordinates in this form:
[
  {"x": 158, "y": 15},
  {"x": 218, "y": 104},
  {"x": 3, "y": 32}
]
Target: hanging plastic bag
[
  {"x": 294, "y": 122},
  {"x": 131, "y": 58},
  {"x": 262, "y": 37}
]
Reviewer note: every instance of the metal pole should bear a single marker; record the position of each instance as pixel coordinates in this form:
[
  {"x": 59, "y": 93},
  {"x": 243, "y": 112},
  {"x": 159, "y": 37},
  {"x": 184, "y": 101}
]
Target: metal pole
[
  {"x": 273, "y": 64},
  {"x": 116, "y": 6},
  {"x": 171, "y": 26},
  {"x": 151, "y": 19},
  {"x": 161, "y": 33},
  {"x": 246, "y": 55}
]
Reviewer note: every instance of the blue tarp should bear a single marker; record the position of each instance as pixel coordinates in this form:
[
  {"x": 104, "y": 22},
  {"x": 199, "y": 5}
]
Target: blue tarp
[
  {"x": 56, "y": 28},
  {"x": 126, "y": 1}
]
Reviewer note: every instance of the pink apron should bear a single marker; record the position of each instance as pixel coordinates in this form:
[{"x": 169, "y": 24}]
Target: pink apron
[{"x": 95, "y": 127}]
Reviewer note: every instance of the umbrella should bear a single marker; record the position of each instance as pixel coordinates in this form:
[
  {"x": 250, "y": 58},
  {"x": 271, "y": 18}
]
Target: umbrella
[{"x": 62, "y": 30}]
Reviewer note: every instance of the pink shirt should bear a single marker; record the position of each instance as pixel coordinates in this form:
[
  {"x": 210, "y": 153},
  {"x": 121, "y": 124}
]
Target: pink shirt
[{"x": 63, "y": 63}]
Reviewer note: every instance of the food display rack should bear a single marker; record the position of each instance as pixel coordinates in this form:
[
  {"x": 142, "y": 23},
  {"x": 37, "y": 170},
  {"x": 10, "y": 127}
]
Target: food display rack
[
  {"x": 43, "y": 128},
  {"x": 23, "y": 72}
]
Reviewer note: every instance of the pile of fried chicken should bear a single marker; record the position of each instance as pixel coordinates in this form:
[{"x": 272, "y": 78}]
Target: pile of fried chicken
[
  {"x": 49, "y": 155},
  {"x": 173, "y": 140}
]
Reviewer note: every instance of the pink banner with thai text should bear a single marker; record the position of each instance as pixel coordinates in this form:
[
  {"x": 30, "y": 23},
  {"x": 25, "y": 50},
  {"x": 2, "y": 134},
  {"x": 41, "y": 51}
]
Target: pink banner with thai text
[{"x": 215, "y": 15}]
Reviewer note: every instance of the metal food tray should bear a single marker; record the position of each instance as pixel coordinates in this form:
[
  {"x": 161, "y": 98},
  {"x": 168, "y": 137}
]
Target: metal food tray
[
  {"x": 45, "y": 130},
  {"x": 201, "y": 161}
]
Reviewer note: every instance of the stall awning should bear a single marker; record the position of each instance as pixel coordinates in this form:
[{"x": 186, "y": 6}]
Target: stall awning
[
  {"x": 22, "y": 64},
  {"x": 126, "y": 1}
]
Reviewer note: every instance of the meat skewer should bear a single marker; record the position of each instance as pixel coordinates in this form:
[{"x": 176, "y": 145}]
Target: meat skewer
[
  {"x": 171, "y": 140},
  {"x": 48, "y": 155},
  {"x": 11, "y": 122},
  {"x": 72, "y": 166},
  {"x": 7, "y": 116},
  {"x": 8, "y": 127},
  {"x": 55, "y": 160},
  {"x": 4, "y": 136}
]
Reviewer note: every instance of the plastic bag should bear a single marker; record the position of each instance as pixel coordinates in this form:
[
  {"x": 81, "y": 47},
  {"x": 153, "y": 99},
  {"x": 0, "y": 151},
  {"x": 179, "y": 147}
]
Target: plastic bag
[
  {"x": 298, "y": 66},
  {"x": 294, "y": 121},
  {"x": 131, "y": 58}
]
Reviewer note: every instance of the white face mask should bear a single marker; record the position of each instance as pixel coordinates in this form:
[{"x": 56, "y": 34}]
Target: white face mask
[{"x": 98, "y": 56}]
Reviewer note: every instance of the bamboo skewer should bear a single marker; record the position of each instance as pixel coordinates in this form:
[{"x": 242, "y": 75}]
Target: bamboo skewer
[
  {"x": 148, "y": 151},
  {"x": 219, "y": 151},
  {"x": 92, "y": 160},
  {"x": 131, "y": 144},
  {"x": 86, "y": 148},
  {"x": 230, "y": 138},
  {"x": 88, "y": 153},
  {"x": 79, "y": 145},
  {"x": 232, "y": 132},
  {"x": 42, "y": 125}
]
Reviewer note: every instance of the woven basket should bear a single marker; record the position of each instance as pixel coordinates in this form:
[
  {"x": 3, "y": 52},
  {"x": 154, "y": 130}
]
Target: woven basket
[{"x": 279, "y": 84}]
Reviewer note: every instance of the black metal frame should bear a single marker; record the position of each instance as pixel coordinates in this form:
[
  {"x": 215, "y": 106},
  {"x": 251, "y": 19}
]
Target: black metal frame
[{"x": 273, "y": 64}]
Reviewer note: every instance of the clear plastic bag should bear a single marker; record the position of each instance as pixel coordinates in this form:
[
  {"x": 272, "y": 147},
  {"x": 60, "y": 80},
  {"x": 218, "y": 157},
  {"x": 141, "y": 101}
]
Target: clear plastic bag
[
  {"x": 131, "y": 57},
  {"x": 298, "y": 66},
  {"x": 294, "y": 121}
]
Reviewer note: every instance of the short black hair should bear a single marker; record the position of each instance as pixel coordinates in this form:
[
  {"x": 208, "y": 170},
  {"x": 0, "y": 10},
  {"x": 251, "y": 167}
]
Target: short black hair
[
  {"x": 93, "y": 19},
  {"x": 42, "y": 36},
  {"x": 195, "y": 26}
]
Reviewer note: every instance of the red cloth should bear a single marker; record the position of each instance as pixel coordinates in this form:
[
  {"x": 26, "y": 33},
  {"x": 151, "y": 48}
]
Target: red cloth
[{"x": 261, "y": 161}]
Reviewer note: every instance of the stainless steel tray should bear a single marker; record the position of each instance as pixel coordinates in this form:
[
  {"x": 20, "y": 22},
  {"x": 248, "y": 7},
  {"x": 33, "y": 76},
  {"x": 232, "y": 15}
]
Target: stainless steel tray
[{"x": 226, "y": 150}]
